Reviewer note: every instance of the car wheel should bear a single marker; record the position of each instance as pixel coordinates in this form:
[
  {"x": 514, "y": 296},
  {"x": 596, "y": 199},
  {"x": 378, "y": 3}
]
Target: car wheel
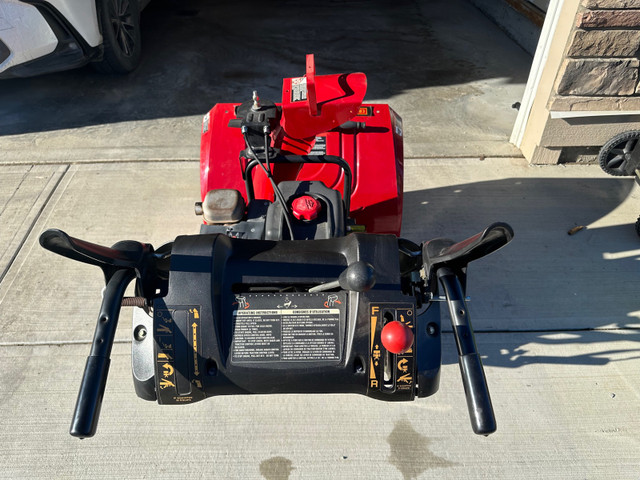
[{"x": 120, "y": 25}]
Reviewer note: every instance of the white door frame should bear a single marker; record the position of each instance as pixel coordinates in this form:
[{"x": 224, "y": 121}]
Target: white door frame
[{"x": 537, "y": 67}]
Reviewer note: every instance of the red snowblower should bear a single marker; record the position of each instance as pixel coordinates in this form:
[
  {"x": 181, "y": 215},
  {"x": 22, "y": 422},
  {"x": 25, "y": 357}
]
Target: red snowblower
[{"x": 298, "y": 281}]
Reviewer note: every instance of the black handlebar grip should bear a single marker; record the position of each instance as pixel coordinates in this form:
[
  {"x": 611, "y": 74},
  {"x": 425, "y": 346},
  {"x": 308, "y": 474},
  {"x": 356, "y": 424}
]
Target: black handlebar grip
[
  {"x": 85, "y": 416},
  {"x": 483, "y": 420},
  {"x": 481, "y": 414}
]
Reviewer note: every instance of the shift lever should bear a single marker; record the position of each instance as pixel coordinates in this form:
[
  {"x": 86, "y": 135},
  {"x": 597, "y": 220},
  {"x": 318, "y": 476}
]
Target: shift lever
[{"x": 357, "y": 277}]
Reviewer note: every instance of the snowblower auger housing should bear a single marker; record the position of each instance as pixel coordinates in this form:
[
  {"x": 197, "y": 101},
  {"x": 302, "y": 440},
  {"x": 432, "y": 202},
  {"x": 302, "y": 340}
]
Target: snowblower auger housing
[{"x": 283, "y": 291}]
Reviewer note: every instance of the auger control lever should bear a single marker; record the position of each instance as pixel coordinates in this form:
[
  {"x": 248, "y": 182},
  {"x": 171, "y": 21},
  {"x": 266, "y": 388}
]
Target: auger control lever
[{"x": 120, "y": 264}]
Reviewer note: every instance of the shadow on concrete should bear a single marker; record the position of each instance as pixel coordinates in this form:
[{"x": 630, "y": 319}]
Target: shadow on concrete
[
  {"x": 551, "y": 287},
  {"x": 197, "y": 53},
  {"x": 502, "y": 356}
]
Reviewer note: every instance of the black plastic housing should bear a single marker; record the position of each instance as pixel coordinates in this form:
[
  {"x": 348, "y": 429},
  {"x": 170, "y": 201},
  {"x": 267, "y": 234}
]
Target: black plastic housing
[{"x": 237, "y": 319}]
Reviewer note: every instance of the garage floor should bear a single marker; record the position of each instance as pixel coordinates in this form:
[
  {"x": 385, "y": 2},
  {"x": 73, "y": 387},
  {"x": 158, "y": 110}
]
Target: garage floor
[
  {"x": 111, "y": 158},
  {"x": 557, "y": 317},
  {"x": 447, "y": 70}
]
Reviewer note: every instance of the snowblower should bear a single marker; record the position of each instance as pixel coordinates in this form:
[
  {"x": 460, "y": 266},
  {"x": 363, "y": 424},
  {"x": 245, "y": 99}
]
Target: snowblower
[{"x": 298, "y": 281}]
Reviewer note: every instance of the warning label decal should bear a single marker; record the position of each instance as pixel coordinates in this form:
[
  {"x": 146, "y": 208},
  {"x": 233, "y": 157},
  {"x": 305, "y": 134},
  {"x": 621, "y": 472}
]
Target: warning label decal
[
  {"x": 289, "y": 331},
  {"x": 319, "y": 147},
  {"x": 298, "y": 89}
]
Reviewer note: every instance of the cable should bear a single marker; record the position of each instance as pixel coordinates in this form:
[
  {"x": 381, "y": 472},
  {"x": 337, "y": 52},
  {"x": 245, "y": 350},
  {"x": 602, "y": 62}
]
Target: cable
[
  {"x": 276, "y": 190},
  {"x": 266, "y": 146}
]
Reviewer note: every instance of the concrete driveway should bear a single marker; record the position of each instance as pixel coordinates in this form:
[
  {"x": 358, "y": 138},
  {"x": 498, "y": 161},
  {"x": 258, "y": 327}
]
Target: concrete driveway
[{"x": 557, "y": 315}]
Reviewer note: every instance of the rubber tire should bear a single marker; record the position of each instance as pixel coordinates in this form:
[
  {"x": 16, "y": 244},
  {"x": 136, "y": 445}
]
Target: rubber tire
[
  {"x": 610, "y": 145},
  {"x": 114, "y": 59}
]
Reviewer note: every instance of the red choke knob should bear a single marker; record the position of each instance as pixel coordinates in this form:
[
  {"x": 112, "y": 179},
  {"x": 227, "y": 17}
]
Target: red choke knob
[
  {"x": 397, "y": 337},
  {"x": 305, "y": 207}
]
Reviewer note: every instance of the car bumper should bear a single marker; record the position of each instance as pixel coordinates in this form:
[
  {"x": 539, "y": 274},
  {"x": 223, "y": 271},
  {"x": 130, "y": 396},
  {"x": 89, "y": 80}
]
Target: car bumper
[{"x": 36, "y": 39}]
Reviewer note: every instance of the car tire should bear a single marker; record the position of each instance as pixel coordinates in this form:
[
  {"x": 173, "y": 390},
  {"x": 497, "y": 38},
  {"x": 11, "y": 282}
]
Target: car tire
[{"x": 121, "y": 39}]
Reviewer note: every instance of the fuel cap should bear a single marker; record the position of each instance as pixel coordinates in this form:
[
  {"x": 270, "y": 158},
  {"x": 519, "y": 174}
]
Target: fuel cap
[
  {"x": 305, "y": 207},
  {"x": 397, "y": 337}
]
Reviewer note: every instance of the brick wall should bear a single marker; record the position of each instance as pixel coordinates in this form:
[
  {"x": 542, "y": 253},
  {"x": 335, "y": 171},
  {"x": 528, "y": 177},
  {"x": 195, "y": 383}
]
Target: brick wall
[{"x": 601, "y": 69}]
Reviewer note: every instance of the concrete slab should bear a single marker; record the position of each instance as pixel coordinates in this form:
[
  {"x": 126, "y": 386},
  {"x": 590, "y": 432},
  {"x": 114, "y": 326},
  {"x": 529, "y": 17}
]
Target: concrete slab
[
  {"x": 566, "y": 409},
  {"x": 545, "y": 279},
  {"x": 24, "y": 191},
  {"x": 175, "y": 138},
  {"x": 453, "y": 82},
  {"x": 102, "y": 203}
]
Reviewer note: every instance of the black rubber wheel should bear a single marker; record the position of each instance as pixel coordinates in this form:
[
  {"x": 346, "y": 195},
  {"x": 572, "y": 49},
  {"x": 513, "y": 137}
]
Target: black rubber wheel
[
  {"x": 616, "y": 154},
  {"x": 120, "y": 25},
  {"x": 638, "y": 226}
]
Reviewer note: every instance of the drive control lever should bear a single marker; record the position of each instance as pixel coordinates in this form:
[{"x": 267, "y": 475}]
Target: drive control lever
[
  {"x": 447, "y": 261},
  {"x": 483, "y": 420}
]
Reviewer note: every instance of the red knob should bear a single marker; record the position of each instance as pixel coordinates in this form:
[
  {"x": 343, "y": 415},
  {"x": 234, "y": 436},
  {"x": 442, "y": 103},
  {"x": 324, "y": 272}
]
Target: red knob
[
  {"x": 305, "y": 208},
  {"x": 397, "y": 337}
]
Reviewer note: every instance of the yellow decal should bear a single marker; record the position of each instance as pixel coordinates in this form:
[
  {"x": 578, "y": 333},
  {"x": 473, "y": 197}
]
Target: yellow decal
[
  {"x": 168, "y": 370},
  {"x": 194, "y": 325},
  {"x": 164, "y": 357},
  {"x": 164, "y": 383},
  {"x": 376, "y": 355},
  {"x": 182, "y": 399},
  {"x": 374, "y": 321},
  {"x": 164, "y": 329},
  {"x": 408, "y": 324},
  {"x": 405, "y": 378},
  {"x": 402, "y": 365}
]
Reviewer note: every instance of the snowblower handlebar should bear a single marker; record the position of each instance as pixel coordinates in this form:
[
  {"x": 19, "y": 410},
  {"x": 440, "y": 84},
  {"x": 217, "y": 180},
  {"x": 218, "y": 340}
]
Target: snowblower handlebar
[
  {"x": 87, "y": 411},
  {"x": 120, "y": 265},
  {"x": 483, "y": 420},
  {"x": 444, "y": 262}
]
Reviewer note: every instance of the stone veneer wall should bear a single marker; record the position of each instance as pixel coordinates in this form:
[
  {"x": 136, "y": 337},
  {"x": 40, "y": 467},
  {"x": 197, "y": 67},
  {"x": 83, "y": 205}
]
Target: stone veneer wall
[{"x": 600, "y": 71}]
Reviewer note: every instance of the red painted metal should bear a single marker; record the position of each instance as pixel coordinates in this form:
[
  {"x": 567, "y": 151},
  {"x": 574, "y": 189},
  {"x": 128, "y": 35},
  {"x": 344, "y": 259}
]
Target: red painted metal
[
  {"x": 326, "y": 102},
  {"x": 311, "y": 85},
  {"x": 374, "y": 153}
]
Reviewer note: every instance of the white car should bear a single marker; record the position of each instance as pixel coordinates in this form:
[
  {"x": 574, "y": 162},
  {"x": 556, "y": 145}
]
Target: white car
[{"x": 43, "y": 36}]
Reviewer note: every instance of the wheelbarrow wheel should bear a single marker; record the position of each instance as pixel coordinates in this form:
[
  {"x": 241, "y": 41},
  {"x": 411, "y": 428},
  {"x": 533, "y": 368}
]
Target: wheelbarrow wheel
[{"x": 615, "y": 155}]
